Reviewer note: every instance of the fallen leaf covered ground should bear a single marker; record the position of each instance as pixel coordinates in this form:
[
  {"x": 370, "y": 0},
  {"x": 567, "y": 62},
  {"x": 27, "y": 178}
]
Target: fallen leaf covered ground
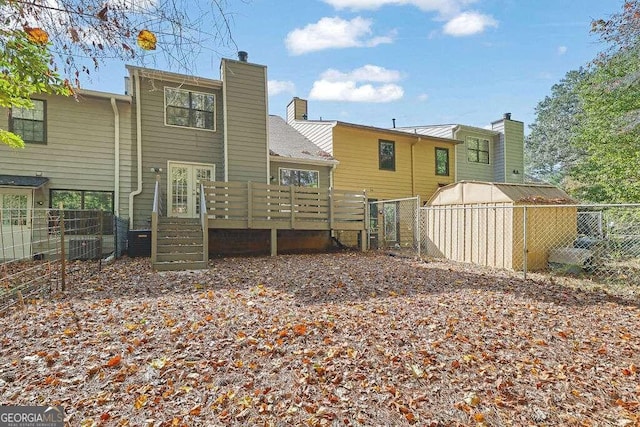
[{"x": 332, "y": 339}]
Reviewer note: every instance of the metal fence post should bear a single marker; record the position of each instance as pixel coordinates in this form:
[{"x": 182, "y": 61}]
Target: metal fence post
[
  {"x": 418, "y": 237},
  {"x": 63, "y": 255},
  {"x": 524, "y": 242}
]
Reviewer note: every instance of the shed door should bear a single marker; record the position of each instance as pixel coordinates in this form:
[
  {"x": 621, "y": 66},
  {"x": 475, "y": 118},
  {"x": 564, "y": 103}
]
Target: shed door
[
  {"x": 184, "y": 188},
  {"x": 15, "y": 223}
]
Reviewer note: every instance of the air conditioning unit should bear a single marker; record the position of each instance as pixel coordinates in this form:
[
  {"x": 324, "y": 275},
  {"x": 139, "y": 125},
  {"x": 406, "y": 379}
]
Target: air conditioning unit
[{"x": 85, "y": 249}]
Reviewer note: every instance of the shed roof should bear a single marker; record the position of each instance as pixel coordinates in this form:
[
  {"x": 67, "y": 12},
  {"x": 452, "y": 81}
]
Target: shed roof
[
  {"x": 477, "y": 192},
  {"x": 285, "y": 141},
  {"x": 22, "y": 181}
]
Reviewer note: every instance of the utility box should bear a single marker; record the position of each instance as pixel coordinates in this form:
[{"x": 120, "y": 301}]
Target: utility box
[{"x": 139, "y": 243}]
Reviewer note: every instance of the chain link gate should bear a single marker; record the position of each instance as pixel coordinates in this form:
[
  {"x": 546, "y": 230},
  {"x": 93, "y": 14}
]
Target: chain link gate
[{"x": 393, "y": 225}]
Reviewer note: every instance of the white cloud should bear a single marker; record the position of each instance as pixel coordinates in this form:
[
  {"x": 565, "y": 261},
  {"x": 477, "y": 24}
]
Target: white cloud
[
  {"x": 324, "y": 90},
  {"x": 423, "y": 97},
  {"x": 354, "y": 86},
  {"x": 469, "y": 23},
  {"x": 335, "y": 32},
  {"x": 562, "y": 50},
  {"x": 443, "y": 7},
  {"x": 367, "y": 73},
  {"x": 277, "y": 87}
]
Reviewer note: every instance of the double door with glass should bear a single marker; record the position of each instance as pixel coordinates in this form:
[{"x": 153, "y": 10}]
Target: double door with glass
[{"x": 184, "y": 187}]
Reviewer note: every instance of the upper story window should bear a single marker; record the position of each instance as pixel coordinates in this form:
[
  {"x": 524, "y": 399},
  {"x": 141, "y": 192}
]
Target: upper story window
[
  {"x": 387, "y": 155},
  {"x": 442, "y": 161},
  {"x": 299, "y": 177},
  {"x": 29, "y": 123},
  {"x": 189, "y": 109},
  {"x": 477, "y": 150}
]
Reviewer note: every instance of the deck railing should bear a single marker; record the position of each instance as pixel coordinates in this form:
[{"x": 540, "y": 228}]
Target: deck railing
[{"x": 250, "y": 205}]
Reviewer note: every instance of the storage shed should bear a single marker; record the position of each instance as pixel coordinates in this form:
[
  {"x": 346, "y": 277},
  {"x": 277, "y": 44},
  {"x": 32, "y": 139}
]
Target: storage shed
[{"x": 495, "y": 224}]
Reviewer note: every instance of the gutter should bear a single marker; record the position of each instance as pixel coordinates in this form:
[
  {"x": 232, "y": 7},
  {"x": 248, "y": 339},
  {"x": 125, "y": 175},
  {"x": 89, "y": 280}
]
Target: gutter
[
  {"x": 136, "y": 77},
  {"x": 116, "y": 142}
]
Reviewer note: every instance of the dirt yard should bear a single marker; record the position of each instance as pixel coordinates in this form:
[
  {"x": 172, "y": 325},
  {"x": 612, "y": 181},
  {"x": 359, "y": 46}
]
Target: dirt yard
[{"x": 337, "y": 339}]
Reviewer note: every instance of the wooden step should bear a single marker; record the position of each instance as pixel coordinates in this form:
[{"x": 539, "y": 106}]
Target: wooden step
[
  {"x": 180, "y": 256},
  {"x": 184, "y": 265},
  {"x": 179, "y": 232}
]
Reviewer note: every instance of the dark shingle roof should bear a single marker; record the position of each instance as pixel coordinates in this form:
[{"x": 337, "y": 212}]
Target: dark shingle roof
[
  {"x": 285, "y": 141},
  {"x": 23, "y": 181}
]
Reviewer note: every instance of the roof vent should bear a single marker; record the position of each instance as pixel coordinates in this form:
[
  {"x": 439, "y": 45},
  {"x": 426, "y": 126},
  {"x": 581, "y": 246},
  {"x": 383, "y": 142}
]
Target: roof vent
[
  {"x": 507, "y": 116},
  {"x": 243, "y": 56}
]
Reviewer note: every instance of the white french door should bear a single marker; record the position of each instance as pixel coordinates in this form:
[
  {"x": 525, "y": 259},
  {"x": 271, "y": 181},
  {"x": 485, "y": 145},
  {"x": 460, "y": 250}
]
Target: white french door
[
  {"x": 15, "y": 223},
  {"x": 183, "y": 193}
]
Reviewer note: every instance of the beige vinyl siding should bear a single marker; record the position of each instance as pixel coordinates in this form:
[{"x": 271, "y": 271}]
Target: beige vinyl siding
[
  {"x": 246, "y": 121},
  {"x": 514, "y": 150},
  {"x": 162, "y": 143},
  {"x": 499, "y": 163},
  {"x": 80, "y": 152},
  {"x": 323, "y": 171},
  {"x": 321, "y": 134},
  {"x": 467, "y": 170}
]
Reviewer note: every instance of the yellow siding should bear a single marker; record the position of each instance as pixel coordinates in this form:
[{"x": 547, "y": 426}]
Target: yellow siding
[{"x": 357, "y": 151}]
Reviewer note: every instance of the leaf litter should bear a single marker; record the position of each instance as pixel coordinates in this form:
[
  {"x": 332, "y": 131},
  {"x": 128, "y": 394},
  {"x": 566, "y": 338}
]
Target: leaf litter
[{"x": 321, "y": 340}]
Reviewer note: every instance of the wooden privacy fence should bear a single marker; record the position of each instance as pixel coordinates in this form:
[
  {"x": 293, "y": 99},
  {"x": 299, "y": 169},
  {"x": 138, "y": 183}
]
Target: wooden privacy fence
[{"x": 248, "y": 205}]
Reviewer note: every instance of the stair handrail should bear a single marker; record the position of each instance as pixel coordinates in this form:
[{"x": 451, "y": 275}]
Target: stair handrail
[
  {"x": 204, "y": 220},
  {"x": 155, "y": 212}
]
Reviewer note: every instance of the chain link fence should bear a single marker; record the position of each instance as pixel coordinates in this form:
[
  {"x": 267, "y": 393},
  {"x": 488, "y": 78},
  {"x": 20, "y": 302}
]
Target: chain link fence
[
  {"x": 598, "y": 242},
  {"x": 394, "y": 226},
  {"x": 44, "y": 250}
]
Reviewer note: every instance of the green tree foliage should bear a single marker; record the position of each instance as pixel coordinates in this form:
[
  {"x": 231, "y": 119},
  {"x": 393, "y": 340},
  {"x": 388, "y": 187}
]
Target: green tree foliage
[
  {"x": 549, "y": 151},
  {"x": 25, "y": 70},
  {"x": 586, "y": 132},
  {"x": 41, "y": 41},
  {"x": 609, "y": 131}
]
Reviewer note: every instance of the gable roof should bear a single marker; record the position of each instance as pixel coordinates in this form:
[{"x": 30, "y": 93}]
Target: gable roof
[
  {"x": 286, "y": 142},
  {"x": 478, "y": 192}
]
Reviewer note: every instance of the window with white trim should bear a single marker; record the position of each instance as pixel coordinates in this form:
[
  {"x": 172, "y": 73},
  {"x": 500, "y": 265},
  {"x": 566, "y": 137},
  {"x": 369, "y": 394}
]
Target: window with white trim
[
  {"x": 29, "y": 123},
  {"x": 189, "y": 109},
  {"x": 300, "y": 177}
]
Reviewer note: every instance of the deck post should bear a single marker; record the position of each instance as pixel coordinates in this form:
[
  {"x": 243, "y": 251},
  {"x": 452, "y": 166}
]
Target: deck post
[
  {"x": 274, "y": 241},
  {"x": 331, "y": 208},
  {"x": 250, "y": 205},
  {"x": 293, "y": 207}
]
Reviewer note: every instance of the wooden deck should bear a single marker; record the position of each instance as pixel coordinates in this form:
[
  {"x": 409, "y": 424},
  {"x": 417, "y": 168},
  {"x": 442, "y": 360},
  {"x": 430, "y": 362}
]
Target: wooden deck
[{"x": 247, "y": 205}]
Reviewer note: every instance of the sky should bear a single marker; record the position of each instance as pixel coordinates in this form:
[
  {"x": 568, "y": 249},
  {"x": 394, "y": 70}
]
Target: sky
[{"x": 420, "y": 62}]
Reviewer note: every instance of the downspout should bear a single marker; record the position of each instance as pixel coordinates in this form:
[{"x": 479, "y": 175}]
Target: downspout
[
  {"x": 413, "y": 167},
  {"x": 116, "y": 142},
  {"x": 136, "y": 78},
  {"x": 331, "y": 172}
]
